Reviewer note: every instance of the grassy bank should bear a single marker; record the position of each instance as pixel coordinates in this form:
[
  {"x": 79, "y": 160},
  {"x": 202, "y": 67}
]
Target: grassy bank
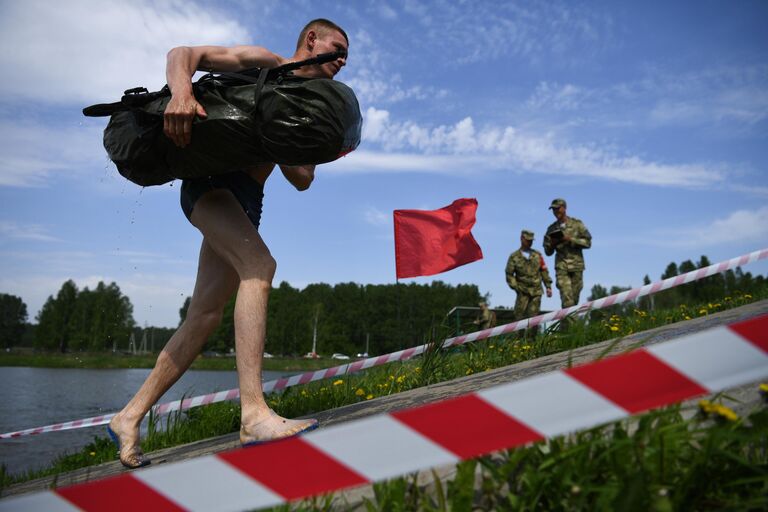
[
  {"x": 657, "y": 462},
  {"x": 101, "y": 360},
  {"x": 435, "y": 366}
]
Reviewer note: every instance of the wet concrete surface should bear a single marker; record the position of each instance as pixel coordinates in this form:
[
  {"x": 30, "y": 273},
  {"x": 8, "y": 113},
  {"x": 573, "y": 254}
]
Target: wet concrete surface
[{"x": 742, "y": 398}]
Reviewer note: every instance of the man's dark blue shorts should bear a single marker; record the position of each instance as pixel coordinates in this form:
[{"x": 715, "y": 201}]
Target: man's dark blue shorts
[{"x": 248, "y": 192}]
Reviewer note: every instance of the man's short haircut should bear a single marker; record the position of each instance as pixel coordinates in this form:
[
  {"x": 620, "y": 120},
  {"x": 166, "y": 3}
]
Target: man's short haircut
[{"x": 322, "y": 26}]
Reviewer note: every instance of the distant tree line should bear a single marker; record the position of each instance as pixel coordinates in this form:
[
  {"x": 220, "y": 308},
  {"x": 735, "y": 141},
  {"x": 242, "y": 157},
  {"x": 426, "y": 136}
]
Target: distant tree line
[
  {"x": 709, "y": 289},
  {"x": 389, "y": 316},
  {"x": 84, "y": 319}
]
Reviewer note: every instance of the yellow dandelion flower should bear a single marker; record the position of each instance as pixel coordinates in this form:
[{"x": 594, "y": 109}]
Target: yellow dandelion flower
[
  {"x": 492, "y": 346},
  {"x": 391, "y": 377},
  {"x": 418, "y": 368},
  {"x": 726, "y": 413},
  {"x": 747, "y": 296},
  {"x": 360, "y": 392},
  {"x": 703, "y": 311},
  {"x": 614, "y": 328},
  {"x": 401, "y": 379},
  {"x": 763, "y": 388},
  {"x": 304, "y": 392},
  {"x": 470, "y": 372},
  {"x": 369, "y": 397},
  {"x": 687, "y": 317},
  {"x": 705, "y": 406},
  {"x": 93, "y": 454},
  {"x": 338, "y": 382}
]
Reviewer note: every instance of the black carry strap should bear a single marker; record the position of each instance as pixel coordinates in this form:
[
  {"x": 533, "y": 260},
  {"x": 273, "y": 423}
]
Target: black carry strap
[
  {"x": 139, "y": 96},
  {"x": 252, "y": 75}
]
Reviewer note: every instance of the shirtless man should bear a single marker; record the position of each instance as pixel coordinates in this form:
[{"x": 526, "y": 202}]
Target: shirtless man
[{"x": 233, "y": 257}]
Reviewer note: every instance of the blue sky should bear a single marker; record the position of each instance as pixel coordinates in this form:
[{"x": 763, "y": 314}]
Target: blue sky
[{"x": 650, "y": 118}]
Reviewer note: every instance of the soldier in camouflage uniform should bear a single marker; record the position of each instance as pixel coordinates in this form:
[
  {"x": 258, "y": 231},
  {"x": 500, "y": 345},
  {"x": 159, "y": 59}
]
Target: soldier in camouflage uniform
[
  {"x": 567, "y": 236},
  {"x": 526, "y": 271},
  {"x": 486, "y": 318}
]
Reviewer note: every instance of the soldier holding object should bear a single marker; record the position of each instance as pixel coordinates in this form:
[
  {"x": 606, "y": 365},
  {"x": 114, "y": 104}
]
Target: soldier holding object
[{"x": 568, "y": 237}]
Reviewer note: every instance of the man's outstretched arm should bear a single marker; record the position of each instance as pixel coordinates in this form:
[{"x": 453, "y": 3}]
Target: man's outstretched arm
[{"x": 182, "y": 63}]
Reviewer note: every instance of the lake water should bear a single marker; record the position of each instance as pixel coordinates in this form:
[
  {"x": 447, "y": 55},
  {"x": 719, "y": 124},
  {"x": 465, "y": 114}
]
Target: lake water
[{"x": 35, "y": 397}]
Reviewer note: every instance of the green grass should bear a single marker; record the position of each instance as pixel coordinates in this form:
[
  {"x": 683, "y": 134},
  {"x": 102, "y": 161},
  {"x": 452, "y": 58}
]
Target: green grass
[
  {"x": 658, "y": 461},
  {"x": 434, "y": 366}
]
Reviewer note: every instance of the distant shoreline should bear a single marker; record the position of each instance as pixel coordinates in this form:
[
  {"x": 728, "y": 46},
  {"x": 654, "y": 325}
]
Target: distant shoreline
[{"x": 108, "y": 360}]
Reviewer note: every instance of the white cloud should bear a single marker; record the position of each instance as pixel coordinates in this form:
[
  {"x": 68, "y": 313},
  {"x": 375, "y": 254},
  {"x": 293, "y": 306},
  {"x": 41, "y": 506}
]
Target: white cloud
[
  {"x": 151, "y": 258},
  {"x": 553, "y": 96},
  {"x": 385, "y": 11},
  {"x": 535, "y": 32},
  {"x": 19, "y": 231},
  {"x": 408, "y": 146},
  {"x": 757, "y": 190},
  {"x": 742, "y": 226},
  {"x": 745, "y": 104},
  {"x": 88, "y": 51},
  {"x": 32, "y": 152},
  {"x": 708, "y": 96},
  {"x": 377, "y": 217},
  {"x": 374, "y": 81}
]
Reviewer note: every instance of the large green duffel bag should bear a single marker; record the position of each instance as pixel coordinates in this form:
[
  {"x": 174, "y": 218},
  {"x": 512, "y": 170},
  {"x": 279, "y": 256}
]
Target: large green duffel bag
[{"x": 254, "y": 116}]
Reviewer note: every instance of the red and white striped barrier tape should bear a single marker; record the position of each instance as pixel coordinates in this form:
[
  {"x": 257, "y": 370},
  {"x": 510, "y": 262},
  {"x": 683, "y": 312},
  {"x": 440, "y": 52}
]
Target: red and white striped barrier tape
[
  {"x": 403, "y": 355},
  {"x": 388, "y": 445}
]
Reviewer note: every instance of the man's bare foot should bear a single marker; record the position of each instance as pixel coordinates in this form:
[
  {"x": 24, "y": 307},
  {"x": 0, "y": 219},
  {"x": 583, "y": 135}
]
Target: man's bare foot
[
  {"x": 127, "y": 440},
  {"x": 274, "y": 427}
]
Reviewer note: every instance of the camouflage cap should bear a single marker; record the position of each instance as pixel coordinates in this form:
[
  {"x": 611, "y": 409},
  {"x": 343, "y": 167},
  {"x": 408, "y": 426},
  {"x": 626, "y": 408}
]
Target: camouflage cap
[
  {"x": 557, "y": 203},
  {"x": 528, "y": 235}
]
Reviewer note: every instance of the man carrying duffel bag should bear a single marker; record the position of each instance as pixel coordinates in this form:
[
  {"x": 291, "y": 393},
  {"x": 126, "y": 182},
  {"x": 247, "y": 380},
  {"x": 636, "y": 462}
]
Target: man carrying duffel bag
[{"x": 233, "y": 258}]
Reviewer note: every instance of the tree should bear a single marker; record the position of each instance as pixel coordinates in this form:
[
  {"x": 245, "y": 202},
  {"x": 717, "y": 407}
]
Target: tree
[
  {"x": 54, "y": 328},
  {"x": 668, "y": 298},
  {"x": 646, "y": 302},
  {"x": 184, "y": 309},
  {"x": 598, "y": 292},
  {"x": 84, "y": 320},
  {"x": 13, "y": 320},
  {"x": 223, "y": 338}
]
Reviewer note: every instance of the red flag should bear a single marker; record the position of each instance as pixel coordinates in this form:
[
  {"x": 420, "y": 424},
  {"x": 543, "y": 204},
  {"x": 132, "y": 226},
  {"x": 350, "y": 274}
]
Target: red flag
[{"x": 428, "y": 242}]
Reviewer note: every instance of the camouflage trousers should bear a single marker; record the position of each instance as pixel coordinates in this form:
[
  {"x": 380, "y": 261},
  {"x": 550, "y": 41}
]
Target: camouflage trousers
[
  {"x": 527, "y": 306},
  {"x": 570, "y": 285}
]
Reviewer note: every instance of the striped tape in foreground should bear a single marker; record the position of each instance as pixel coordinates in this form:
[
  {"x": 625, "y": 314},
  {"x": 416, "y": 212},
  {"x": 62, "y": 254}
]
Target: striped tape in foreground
[
  {"x": 404, "y": 355},
  {"x": 389, "y": 445}
]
